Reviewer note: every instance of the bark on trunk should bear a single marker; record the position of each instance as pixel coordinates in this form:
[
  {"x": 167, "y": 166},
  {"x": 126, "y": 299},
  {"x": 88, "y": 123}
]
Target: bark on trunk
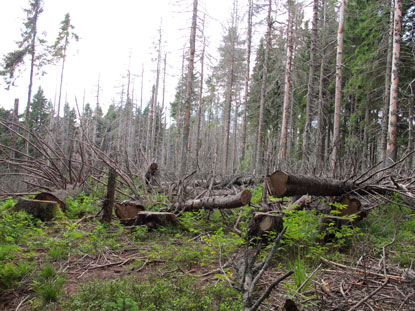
[
  {"x": 219, "y": 202},
  {"x": 338, "y": 97},
  {"x": 248, "y": 64},
  {"x": 391, "y": 152},
  {"x": 189, "y": 88},
  {"x": 260, "y": 140},
  {"x": 283, "y": 139},
  {"x": 281, "y": 184},
  {"x": 386, "y": 97},
  {"x": 310, "y": 88},
  {"x": 44, "y": 210},
  {"x": 109, "y": 200}
]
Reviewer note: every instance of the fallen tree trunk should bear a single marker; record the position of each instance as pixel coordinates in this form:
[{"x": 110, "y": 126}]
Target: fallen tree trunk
[
  {"x": 151, "y": 219},
  {"x": 282, "y": 184},
  {"x": 219, "y": 202}
]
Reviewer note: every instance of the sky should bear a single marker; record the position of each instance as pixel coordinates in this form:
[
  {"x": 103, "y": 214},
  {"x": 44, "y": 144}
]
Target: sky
[{"x": 115, "y": 36}]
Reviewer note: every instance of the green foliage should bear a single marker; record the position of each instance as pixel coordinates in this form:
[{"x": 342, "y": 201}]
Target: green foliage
[
  {"x": 302, "y": 234},
  {"x": 155, "y": 294},
  {"x": 14, "y": 226},
  {"x": 12, "y": 273},
  {"x": 7, "y": 251},
  {"x": 122, "y": 304},
  {"x": 380, "y": 227},
  {"x": 49, "y": 284},
  {"x": 83, "y": 205},
  {"x": 58, "y": 252}
]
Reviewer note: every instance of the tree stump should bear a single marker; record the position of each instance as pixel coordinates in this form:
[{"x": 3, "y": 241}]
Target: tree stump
[
  {"x": 262, "y": 222},
  {"x": 128, "y": 209},
  {"x": 43, "y": 210},
  {"x": 59, "y": 196}
]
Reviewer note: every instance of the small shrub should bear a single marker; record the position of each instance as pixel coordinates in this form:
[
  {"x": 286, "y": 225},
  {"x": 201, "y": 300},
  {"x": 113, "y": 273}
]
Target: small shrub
[
  {"x": 58, "y": 252},
  {"x": 49, "y": 284},
  {"x": 11, "y": 274},
  {"x": 7, "y": 251}
]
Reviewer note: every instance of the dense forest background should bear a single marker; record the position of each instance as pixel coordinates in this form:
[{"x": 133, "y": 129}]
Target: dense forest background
[
  {"x": 321, "y": 88},
  {"x": 258, "y": 107}
]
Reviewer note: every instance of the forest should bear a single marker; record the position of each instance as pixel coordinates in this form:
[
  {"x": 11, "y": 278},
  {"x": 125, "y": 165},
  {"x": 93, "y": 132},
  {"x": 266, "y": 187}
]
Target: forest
[{"x": 279, "y": 176}]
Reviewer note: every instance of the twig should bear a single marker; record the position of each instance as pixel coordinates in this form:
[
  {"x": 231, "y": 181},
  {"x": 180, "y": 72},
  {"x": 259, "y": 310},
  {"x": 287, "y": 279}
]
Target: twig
[
  {"x": 332, "y": 263},
  {"x": 403, "y": 302},
  {"x": 368, "y": 296},
  {"x": 22, "y": 302},
  {"x": 266, "y": 294},
  {"x": 309, "y": 277}
]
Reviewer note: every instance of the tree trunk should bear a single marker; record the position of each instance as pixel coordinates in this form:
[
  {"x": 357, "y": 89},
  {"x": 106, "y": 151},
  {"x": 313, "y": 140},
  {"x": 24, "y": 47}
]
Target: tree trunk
[
  {"x": 109, "y": 200},
  {"x": 386, "y": 96},
  {"x": 260, "y": 139},
  {"x": 287, "y": 88},
  {"x": 219, "y": 202},
  {"x": 200, "y": 102},
  {"x": 411, "y": 129},
  {"x": 282, "y": 184},
  {"x": 393, "y": 104},
  {"x": 189, "y": 88},
  {"x": 338, "y": 96},
  {"x": 310, "y": 88},
  {"x": 32, "y": 69},
  {"x": 320, "y": 136},
  {"x": 247, "y": 76},
  {"x": 154, "y": 103}
]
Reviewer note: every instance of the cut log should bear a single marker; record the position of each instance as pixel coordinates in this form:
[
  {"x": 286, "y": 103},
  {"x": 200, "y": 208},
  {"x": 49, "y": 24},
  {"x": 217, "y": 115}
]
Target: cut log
[
  {"x": 128, "y": 209},
  {"x": 43, "y": 210},
  {"x": 262, "y": 222},
  {"x": 152, "y": 219},
  {"x": 59, "y": 196},
  {"x": 281, "y": 184},
  {"x": 219, "y": 202}
]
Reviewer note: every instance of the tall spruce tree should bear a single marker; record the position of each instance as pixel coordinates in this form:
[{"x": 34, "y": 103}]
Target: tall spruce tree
[{"x": 60, "y": 47}]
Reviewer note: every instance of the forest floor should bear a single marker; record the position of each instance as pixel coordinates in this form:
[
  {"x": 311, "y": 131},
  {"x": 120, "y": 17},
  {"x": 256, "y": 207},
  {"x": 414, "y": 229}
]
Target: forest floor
[{"x": 78, "y": 263}]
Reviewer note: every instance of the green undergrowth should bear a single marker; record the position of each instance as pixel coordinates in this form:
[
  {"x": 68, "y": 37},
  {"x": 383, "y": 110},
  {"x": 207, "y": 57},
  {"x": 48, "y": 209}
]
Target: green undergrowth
[
  {"x": 157, "y": 293},
  {"x": 32, "y": 254}
]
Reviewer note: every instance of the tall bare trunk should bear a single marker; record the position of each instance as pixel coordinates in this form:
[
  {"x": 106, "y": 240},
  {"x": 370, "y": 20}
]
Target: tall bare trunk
[
  {"x": 338, "y": 96},
  {"x": 189, "y": 88},
  {"x": 386, "y": 96},
  {"x": 154, "y": 103},
  {"x": 310, "y": 88},
  {"x": 200, "y": 103},
  {"x": 391, "y": 152},
  {"x": 227, "y": 117},
  {"x": 247, "y": 76},
  {"x": 320, "y": 137},
  {"x": 260, "y": 137},
  {"x": 287, "y": 88},
  {"x": 32, "y": 69}
]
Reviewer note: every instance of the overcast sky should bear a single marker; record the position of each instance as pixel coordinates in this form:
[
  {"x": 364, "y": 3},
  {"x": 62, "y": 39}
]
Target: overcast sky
[{"x": 114, "y": 35}]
